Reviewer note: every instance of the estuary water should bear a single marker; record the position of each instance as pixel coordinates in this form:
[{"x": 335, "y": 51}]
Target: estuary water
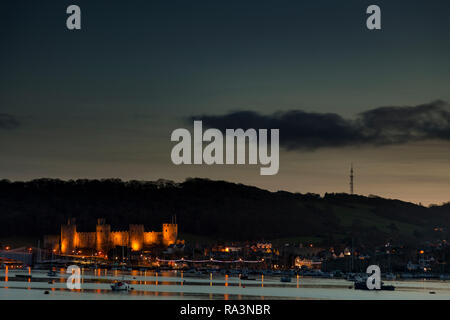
[{"x": 96, "y": 285}]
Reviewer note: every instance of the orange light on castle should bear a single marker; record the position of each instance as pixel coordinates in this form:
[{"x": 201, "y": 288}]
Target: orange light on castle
[
  {"x": 135, "y": 246},
  {"x": 104, "y": 238}
]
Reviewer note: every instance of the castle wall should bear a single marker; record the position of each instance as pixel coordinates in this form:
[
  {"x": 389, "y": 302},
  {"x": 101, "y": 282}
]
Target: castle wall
[
  {"x": 120, "y": 238},
  {"x": 86, "y": 239},
  {"x": 152, "y": 238}
]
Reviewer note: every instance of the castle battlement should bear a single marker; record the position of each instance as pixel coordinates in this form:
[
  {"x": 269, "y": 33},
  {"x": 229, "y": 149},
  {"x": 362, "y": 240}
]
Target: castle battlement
[{"x": 104, "y": 239}]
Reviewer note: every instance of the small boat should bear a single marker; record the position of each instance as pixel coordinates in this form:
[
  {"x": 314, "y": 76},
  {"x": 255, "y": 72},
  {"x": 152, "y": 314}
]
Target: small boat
[
  {"x": 387, "y": 287},
  {"x": 285, "y": 279},
  {"x": 51, "y": 273},
  {"x": 120, "y": 286}
]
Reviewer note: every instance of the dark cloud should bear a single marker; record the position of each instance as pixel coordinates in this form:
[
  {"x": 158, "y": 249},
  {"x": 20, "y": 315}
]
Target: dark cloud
[
  {"x": 379, "y": 126},
  {"x": 8, "y": 121}
]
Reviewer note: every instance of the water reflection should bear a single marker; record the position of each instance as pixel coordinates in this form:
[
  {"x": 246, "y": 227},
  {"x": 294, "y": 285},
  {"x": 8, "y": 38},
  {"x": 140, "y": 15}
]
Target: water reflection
[{"x": 215, "y": 286}]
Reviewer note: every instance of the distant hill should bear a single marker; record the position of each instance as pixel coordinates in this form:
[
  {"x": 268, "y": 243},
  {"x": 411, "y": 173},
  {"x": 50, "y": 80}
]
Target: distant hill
[{"x": 212, "y": 209}]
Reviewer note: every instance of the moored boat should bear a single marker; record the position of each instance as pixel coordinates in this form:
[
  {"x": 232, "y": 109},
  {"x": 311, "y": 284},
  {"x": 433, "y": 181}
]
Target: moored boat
[
  {"x": 120, "y": 286},
  {"x": 51, "y": 273},
  {"x": 361, "y": 285}
]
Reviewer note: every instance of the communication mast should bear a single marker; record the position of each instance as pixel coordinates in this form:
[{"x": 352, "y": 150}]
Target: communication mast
[{"x": 351, "y": 179}]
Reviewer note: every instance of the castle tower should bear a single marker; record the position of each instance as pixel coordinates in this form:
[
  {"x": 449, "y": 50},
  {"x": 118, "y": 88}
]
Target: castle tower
[
  {"x": 68, "y": 235},
  {"x": 169, "y": 233},
  {"x": 136, "y": 236},
  {"x": 103, "y": 236}
]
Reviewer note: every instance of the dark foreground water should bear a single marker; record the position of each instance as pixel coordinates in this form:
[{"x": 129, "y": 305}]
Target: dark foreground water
[{"x": 177, "y": 285}]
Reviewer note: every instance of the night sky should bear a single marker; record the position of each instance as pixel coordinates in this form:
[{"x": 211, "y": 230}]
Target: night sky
[{"x": 102, "y": 102}]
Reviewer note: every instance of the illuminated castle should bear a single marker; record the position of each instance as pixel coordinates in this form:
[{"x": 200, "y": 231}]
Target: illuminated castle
[{"x": 104, "y": 239}]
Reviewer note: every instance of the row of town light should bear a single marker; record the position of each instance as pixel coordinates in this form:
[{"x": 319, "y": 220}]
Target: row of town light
[{"x": 211, "y": 260}]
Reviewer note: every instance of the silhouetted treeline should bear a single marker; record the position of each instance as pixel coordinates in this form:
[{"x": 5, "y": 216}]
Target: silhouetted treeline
[{"x": 215, "y": 209}]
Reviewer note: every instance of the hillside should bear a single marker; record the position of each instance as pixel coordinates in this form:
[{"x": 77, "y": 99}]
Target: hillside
[{"x": 212, "y": 209}]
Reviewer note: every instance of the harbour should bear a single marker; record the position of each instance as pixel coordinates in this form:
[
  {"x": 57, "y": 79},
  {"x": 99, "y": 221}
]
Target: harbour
[{"x": 175, "y": 285}]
